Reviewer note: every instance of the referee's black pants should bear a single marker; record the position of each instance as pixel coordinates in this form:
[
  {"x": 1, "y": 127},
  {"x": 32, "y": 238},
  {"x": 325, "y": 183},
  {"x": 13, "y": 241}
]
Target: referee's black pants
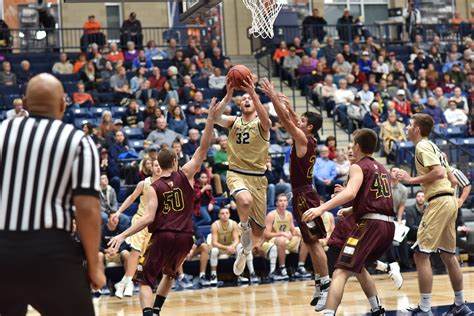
[{"x": 43, "y": 269}]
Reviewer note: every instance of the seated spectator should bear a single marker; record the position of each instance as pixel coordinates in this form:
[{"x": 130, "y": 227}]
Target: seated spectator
[
  {"x": 413, "y": 215},
  {"x": 92, "y": 33},
  {"x": 221, "y": 161},
  {"x": 7, "y": 77},
  {"x": 342, "y": 166},
  {"x": 178, "y": 149},
  {"x": 372, "y": 118},
  {"x": 150, "y": 110},
  {"x": 325, "y": 173},
  {"x": 416, "y": 105},
  {"x": 24, "y": 74},
  {"x": 108, "y": 198},
  {"x": 441, "y": 100},
  {"x": 179, "y": 123},
  {"x": 110, "y": 170},
  {"x": 457, "y": 75},
  {"x": 192, "y": 50},
  {"x": 142, "y": 61},
  {"x": 217, "y": 58},
  {"x": 188, "y": 90},
  {"x": 137, "y": 80},
  {"x": 119, "y": 84},
  {"x": 366, "y": 96},
  {"x": 162, "y": 134},
  {"x": 402, "y": 105},
  {"x": 356, "y": 111},
  {"x": 204, "y": 201},
  {"x": 106, "y": 125},
  {"x": 348, "y": 55},
  {"x": 81, "y": 97},
  {"x": 63, "y": 67},
  {"x": 153, "y": 52},
  {"x": 89, "y": 76},
  {"x": 193, "y": 142},
  {"x": 435, "y": 112},
  {"x": 207, "y": 69},
  {"x": 344, "y": 66},
  {"x": 156, "y": 80},
  {"x": 342, "y": 98},
  {"x": 331, "y": 50},
  {"x": 130, "y": 54},
  {"x": 328, "y": 91},
  {"x": 291, "y": 62},
  {"x": 171, "y": 49},
  {"x": 423, "y": 91},
  {"x": 118, "y": 147},
  {"x": 454, "y": 115},
  {"x": 145, "y": 93},
  {"x": 174, "y": 77},
  {"x": 80, "y": 63},
  {"x": 460, "y": 100},
  {"x": 167, "y": 93},
  {"x": 365, "y": 64},
  {"x": 391, "y": 133},
  {"x": 133, "y": 117},
  {"x": 146, "y": 165},
  {"x": 447, "y": 84},
  {"x": 217, "y": 80},
  {"x": 451, "y": 60},
  {"x": 199, "y": 60},
  {"x": 331, "y": 145},
  {"x": 178, "y": 59},
  {"x": 89, "y": 131},
  {"x": 114, "y": 54},
  {"x": 280, "y": 53},
  {"x": 131, "y": 30},
  {"x": 421, "y": 61},
  {"x": 359, "y": 77},
  {"x": 17, "y": 111},
  {"x": 200, "y": 248}
]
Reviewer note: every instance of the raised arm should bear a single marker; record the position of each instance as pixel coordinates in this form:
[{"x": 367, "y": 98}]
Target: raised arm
[
  {"x": 249, "y": 87},
  {"x": 129, "y": 200},
  {"x": 194, "y": 165},
  {"x": 225, "y": 120}
]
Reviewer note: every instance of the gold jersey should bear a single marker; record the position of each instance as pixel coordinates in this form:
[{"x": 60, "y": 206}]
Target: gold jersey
[
  {"x": 326, "y": 217},
  {"x": 248, "y": 148},
  {"x": 427, "y": 155},
  {"x": 225, "y": 233},
  {"x": 144, "y": 197},
  {"x": 281, "y": 224}
]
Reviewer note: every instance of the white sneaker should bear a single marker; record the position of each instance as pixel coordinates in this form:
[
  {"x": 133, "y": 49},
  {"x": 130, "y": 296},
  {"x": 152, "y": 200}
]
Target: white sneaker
[
  {"x": 240, "y": 260},
  {"x": 242, "y": 279},
  {"x": 323, "y": 296},
  {"x": 128, "y": 292},
  {"x": 119, "y": 288},
  {"x": 395, "y": 275},
  {"x": 213, "y": 281}
]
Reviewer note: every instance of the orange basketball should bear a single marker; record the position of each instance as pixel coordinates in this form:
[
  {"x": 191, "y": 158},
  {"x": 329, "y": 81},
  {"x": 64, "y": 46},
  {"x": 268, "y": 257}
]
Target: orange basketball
[{"x": 238, "y": 74}]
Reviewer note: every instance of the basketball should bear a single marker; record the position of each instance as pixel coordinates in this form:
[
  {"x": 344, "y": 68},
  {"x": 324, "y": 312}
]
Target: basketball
[{"x": 238, "y": 74}]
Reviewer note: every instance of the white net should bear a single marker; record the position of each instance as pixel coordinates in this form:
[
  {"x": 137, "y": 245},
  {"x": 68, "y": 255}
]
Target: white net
[{"x": 264, "y": 13}]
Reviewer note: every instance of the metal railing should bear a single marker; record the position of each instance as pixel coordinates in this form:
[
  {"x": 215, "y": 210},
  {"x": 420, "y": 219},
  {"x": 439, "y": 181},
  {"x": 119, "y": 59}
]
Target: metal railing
[{"x": 73, "y": 39}]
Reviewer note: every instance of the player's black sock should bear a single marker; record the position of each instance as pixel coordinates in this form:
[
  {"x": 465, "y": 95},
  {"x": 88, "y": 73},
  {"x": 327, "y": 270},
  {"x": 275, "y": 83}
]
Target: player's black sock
[
  {"x": 148, "y": 311},
  {"x": 159, "y": 301}
]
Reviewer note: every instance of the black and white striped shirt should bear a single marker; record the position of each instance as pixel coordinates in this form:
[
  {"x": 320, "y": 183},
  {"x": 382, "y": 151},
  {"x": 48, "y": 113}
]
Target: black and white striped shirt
[
  {"x": 43, "y": 163},
  {"x": 463, "y": 181}
]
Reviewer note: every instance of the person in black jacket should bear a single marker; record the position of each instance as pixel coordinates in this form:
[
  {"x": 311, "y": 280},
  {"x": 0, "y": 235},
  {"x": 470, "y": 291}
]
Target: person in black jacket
[
  {"x": 347, "y": 26},
  {"x": 313, "y": 27},
  {"x": 131, "y": 31}
]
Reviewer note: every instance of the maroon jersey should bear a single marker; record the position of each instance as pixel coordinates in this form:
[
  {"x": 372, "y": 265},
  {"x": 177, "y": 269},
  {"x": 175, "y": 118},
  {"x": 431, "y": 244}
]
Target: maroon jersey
[
  {"x": 301, "y": 169},
  {"x": 175, "y": 204},
  {"x": 375, "y": 194},
  {"x": 342, "y": 231}
]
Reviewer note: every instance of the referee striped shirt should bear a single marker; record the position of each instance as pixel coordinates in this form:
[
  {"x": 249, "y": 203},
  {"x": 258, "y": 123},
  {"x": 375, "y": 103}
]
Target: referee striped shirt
[
  {"x": 463, "y": 181},
  {"x": 43, "y": 164}
]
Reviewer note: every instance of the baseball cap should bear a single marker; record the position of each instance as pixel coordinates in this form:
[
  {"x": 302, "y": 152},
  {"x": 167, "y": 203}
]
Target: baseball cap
[
  {"x": 152, "y": 148},
  {"x": 400, "y": 92},
  {"x": 118, "y": 121},
  {"x": 292, "y": 48}
]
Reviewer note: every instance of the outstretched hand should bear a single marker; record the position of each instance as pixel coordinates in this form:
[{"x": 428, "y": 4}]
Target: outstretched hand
[
  {"x": 311, "y": 214},
  {"x": 115, "y": 242},
  {"x": 248, "y": 85},
  {"x": 214, "y": 109},
  {"x": 229, "y": 87},
  {"x": 267, "y": 87}
]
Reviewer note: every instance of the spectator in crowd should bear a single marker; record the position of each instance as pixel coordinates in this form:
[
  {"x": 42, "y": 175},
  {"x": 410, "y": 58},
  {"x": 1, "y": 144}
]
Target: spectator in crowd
[
  {"x": 331, "y": 49},
  {"x": 391, "y": 133},
  {"x": 193, "y": 142},
  {"x": 441, "y": 100},
  {"x": 372, "y": 118},
  {"x": 91, "y": 26},
  {"x": 197, "y": 118},
  {"x": 416, "y": 105},
  {"x": 131, "y": 31},
  {"x": 413, "y": 215},
  {"x": 447, "y": 84},
  {"x": 24, "y": 74},
  {"x": 435, "y": 112},
  {"x": 153, "y": 52},
  {"x": 178, "y": 59},
  {"x": 192, "y": 50},
  {"x": 421, "y": 61},
  {"x": 423, "y": 91},
  {"x": 460, "y": 100},
  {"x": 89, "y": 76},
  {"x": 108, "y": 198},
  {"x": 280, "y": 53},
  {"x": 331, "y": 144},
  {"x": 342, "y": 167},
  {"x": 356, "y": 111},
  {"x": 110, "y": 170},
  {"x": 157, "y": 80},
  {"x": 411, "y": 76},
  {"x": 137, "y": 80},
  {"x": 146, "y": 93},
  {"x": 201, "y": 248},
  {"x": 343, "y": 97},
  {"x": 106, "y": 125},
  {"x": 359, "y": 77},
  {"x": 162, "y": 134},
  {"x": 133, "y": 117},
  {"x": 457, "y": 75},
  {"x": 348, "y": 55},
  {"x": 217, "y": 80},
  {"x": 174, "y": 77},
  {"x": 291, "y": 62},
  {"x": 63, "y": 66},
  {"x": 105, "y": 76},
  {"x": 80, "y": 63},
  {"x": 17, "y": 111},
  {"x": 142, "y": 61},
  {"x": 276, "y": 182},
  {"x": 204, "y": 201},
  {"x": 452, "y": 60},
  {"x": 328, "y": 91},
  {"x": 130, "y": 54},
  {"x": 92, "y": 33},
  {"x": 454, "y": 115},
  {"x": 167, "y": 93},
  {"x": 325, "y": 173},
  {"x": 346, "y": 26},
  {"x": 366, "y": 96},
  {"x": 178, "y": 149},
  {"x": 150, "y": 106},
  {"x": 344, "y": 66},
  {"x": 188, "y": 90},
  {"x": 217, "y": 58},
  {"x": 365, "y": 64},
  {"x": 399, "y": 194},
  {"x": 313, "y": 27},
  {"x": 412, "y": 18},
  {"x": 207, "y": 69},
  {"x": 171, "y": 49},
  {"x": 119, "y": 84},
  {"x": 81, "y": 97},
  {"x": 402, "y": 106},
  {"x": 221, "y": 161},
  {"x": 178, "y": 122},
  {"x": 114, "y": 54}
]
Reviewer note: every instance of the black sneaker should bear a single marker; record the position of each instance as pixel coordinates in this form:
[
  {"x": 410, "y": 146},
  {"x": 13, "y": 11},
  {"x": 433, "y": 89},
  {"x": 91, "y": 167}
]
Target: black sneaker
[
  {"x": 460, "y": 310},
  {"x": 380, "y": 312}
]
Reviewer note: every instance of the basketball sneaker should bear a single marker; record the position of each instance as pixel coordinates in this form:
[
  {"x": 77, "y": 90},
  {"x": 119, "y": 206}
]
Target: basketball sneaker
[
  {"x": 302, "y": 273},
  {"x": 119, "y": 289},
  {"x": 379, "y": 312},
  {"x": 213, "y": 281},
  {"x": 460, "y": 310},
  {"x": 242, "y": 279},
  {"x": 129, "y": 287},
  {"x": 395, "y": 275},
  {"x": 240, "y": 260},
  {"x": 281, "y": 275},
  {"x": 254, "y": 279},
  {"x": 203, "y": 281},
  {"x": 317, "y": 290},
  {"x": 417, "y": 311},
  {"x": 323, "y": 297}
]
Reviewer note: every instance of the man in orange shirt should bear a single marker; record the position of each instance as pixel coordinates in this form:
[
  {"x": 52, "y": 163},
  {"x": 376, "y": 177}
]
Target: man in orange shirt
[
  {"x": 91, "y": 26},
  {"x": 92, "y": 34}
]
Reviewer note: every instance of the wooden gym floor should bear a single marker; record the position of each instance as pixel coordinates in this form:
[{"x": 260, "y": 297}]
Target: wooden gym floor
[{"x": 291, "y": 298}]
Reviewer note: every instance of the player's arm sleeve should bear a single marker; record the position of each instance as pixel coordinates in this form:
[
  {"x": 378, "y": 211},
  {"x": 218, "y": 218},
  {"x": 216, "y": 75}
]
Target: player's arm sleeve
[
  {"x": 85, "y": 170},
  {"x": 427, "y": 155}
]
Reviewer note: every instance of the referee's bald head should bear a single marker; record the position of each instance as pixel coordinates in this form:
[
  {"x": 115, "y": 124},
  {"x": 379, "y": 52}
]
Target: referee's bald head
[{"x": 45, "y": 96}]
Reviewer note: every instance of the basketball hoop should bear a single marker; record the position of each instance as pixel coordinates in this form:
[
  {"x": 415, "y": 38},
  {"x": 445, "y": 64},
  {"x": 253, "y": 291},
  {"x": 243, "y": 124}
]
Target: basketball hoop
[{"x": 264, "y": 13}]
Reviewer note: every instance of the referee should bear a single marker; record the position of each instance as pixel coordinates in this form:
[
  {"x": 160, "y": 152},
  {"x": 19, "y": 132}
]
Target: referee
[{"x": 49, "y": 176}]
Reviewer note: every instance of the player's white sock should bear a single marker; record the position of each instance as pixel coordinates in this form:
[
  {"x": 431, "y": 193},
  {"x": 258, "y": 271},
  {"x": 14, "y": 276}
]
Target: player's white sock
[
  {"x": 300, "y": 263},
  {"x": 459, "y": 298},
  {"x": 180, "y": 277},
  {"x": 214, "y": 257},
  {"x": 325, "y": 279},
  {"x": 425, "y": 302},
  {"x": 374, "y": 303},
  {"x": 126, "y": 279},
  {"x": 329, "y": 312},
  {"x": 214, "y": 273},
  {"x": 273, "y": 254},
  {"x": 382, "y": 266},
  {"x": 250, "y": 263},
  {"x": 202, "y": 274}
]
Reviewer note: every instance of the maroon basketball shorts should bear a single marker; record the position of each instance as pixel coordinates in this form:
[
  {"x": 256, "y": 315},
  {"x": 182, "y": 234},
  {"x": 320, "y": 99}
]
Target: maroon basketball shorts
[
  {"x": 305, "y": 198},
  {"x": 367, "y": 242},
  {"x": 165, "y": 253}
]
